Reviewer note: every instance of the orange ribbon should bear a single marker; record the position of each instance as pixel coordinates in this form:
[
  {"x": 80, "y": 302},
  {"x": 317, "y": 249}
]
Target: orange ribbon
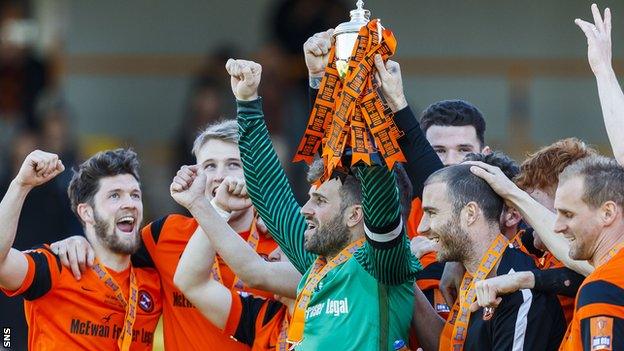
[
  {"x": 456, "y": 328},
  {"x": 319, "y": 270},
  {"x": 125, "y": 339},
  {"x": 353, "y": 112}
]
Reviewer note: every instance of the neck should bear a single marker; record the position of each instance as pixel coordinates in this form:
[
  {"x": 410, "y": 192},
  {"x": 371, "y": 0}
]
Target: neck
[
  {"x": 241, "y": 221},
  {"x": 115, "y": 261},
  {"x": 355, "y": 236},
  {"x": 480, "y": 245},
  {"x": 608, "y": 240}
]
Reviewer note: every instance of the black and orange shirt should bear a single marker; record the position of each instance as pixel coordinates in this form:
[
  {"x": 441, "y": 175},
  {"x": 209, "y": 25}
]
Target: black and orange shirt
[
  {"x": 257, "y": 322},
  {"x": 185, "y": 328},
  {"x": 545, "y": 260},
  {"x": 598, "y": 322},
  {"x": 68, "y": 314}
]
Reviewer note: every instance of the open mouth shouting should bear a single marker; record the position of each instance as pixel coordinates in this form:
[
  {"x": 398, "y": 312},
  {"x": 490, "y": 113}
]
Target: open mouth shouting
[{"x": 126, "y": 224}]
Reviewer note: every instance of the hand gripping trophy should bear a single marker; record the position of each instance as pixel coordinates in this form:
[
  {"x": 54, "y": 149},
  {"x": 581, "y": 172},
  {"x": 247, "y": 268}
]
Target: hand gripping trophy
[{"x": 350, "y": 120}]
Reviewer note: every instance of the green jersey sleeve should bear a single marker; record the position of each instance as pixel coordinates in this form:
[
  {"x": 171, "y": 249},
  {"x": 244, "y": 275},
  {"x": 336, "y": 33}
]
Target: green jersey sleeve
[
  {"x": 386, "y": 255},
  {"x": 268, "y": 186}
]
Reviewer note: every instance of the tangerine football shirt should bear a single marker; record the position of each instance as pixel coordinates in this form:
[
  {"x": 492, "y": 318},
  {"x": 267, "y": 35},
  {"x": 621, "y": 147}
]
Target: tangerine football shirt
[
  {"x": 184, "y": 327},
  {"x": 68, "y": 314}
]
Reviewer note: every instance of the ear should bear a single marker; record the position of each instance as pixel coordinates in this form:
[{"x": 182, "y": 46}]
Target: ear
[
  {"x": 470, "y": 213},
  {"x": 608, "y": 213},
  {"x": 511, "y": 217},
  {"x": 85, "y": 211},
  {"x": 353, "y": 215},
  {"x": 486, "y": 150}
]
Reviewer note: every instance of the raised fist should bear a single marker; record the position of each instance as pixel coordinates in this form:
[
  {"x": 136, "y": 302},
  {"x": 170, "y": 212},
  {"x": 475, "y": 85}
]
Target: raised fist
[
  {"x": 245, "y": 78},
  {"x": 188, "y": 186},
  {"x": 316, "y": 52},
  {"x": 38, "y": 168},
  {"x": 232, "y": 195}
]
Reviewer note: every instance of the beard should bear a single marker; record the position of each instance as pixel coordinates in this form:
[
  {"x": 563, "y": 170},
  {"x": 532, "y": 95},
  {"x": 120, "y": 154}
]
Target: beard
[
  {"x": 455, "y": 243},
  {"x": 330, "y": 238},
  {"x": 114, "y": 241}
]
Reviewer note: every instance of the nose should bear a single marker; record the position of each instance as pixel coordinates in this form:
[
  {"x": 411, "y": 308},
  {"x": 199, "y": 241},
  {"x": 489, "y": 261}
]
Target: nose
[
  {"x": 424, "y": 226},
  {"x": 306, "y": 210},
  {"x": 128, "y": 202},
  {"x": 560, "y": 226}
]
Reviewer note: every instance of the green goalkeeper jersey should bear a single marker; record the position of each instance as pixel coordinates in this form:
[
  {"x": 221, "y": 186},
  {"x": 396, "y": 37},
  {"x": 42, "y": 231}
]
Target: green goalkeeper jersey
[{"x": 366, "y": 302}]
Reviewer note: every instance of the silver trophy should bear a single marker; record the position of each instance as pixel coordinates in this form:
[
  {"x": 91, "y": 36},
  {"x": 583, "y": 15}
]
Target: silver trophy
[{"x": 346, "y": 35}]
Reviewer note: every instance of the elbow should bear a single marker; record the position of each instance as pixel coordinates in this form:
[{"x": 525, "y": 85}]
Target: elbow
[{"x": 181, "y": 280}]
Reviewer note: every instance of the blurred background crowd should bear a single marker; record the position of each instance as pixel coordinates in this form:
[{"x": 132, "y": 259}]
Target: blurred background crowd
[{"x": 80, "y": 76}]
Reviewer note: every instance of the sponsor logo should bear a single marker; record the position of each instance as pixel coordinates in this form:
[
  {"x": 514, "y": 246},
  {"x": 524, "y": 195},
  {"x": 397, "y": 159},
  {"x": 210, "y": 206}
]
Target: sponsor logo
[{"x": 146, "y": 302}]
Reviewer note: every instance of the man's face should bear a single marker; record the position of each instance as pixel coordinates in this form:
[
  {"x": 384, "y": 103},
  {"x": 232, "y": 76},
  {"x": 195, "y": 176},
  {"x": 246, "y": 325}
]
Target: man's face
[
  {"x": 576, "y": 220},
  {"x": 453, "y": 143},
  {"x": 118, "y": 213},
  {"x": 219, "y": 159},
  {"x": 327, "y": 231},
  {"x": 547, "y": 200},
  {"x": 442, "y": 225}
]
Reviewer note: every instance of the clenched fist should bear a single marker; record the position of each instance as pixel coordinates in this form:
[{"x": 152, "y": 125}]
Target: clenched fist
[
  {"x": 245, "y": 78},
  {"x": 38, "y": 168}
]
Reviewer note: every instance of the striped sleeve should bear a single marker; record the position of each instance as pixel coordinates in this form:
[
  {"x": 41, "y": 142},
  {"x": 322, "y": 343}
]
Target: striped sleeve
[
  {"x": 386, "y": 256},
  {"x": 268, "y": 186},
  {"x": 600, "y": 311}
]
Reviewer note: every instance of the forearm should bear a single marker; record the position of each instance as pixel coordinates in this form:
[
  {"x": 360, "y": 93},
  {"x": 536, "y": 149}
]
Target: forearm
[
  {"x": 195, "y": 265},
  {"x": 612, "y": 104},
  {"x": 268, "y": 186},
  {"x": 422, "y": 160},
  {"x": 10, "y": 209},
  {"x": 238, "y": 255},
  {"x": 426, "y": 322},
  {"x": 543, "y": 222},
  {"x": 560, "y": 281},
  {"x": 194, "y": 278}
]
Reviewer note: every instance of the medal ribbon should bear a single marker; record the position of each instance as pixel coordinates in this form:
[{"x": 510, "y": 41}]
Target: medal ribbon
[
  {"x": 610, "y": 254},
  {"x": 282, "y": 340},
  {"x": 319, "y": 270},
  {"x": 125, "y": 339},
  {"x": 353, "y": 112},
  {"x": 460, "y": 313},
  {"x": 252, "y": 240}
]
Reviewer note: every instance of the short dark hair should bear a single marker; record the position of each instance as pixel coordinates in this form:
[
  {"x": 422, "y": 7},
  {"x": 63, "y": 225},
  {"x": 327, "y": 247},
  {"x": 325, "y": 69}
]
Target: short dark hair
[
  {"x": 603, "y": 180},
  {"x": 454, "y": 113},
  {"x": 351, "y": 190},
  {"x": 497, "y": 159},
  {"x": 85, "y": 181},
  {"x": 464, "y": 187}
]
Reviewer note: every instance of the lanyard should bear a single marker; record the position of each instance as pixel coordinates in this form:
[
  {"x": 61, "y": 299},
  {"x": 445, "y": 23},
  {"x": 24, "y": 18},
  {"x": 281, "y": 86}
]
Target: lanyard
[
  {"x": 460, "y": 313},
  {"x": 253, "y": 240},
  {"x": 282, "y": 340},
  {"x": 319, "y": 270},
  {"x": 610, "y": 254},
  {"x": 125, "y": 339}
]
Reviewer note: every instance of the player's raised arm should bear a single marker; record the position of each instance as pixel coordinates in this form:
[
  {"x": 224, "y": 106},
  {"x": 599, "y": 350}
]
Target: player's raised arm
[
  {"x": 267, "y": 184},
  {"x": 38, "y": 168},
  {"x": 599, "y": 55},
  {"x": 278, "y": 277}
]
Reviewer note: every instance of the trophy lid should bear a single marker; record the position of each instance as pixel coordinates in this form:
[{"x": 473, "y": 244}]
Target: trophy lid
[{"x": 359, "y": 18}]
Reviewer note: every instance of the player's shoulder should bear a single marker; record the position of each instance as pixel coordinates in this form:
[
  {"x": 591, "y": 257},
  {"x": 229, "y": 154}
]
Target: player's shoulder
[
  {"x": 515, "y": 260},
  {"x": 171, "y": 226},
  {"x": 601, "y": 290}
]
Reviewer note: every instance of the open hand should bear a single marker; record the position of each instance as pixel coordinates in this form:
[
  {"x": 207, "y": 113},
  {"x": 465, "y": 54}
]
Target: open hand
[{"x": 598, "y": 40}]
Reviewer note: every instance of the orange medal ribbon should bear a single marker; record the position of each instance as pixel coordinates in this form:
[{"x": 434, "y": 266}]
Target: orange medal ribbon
[
  {"x": 457, "y": 325},
  {"x": 282, "y": 340},
  {"x": 125, "y": 339},
  {"x": 610, "y": 254},
  {"x": 253, "y": 240},
  {"x": 353, "y": 112},
  {"x": 319, "y": 270}
]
